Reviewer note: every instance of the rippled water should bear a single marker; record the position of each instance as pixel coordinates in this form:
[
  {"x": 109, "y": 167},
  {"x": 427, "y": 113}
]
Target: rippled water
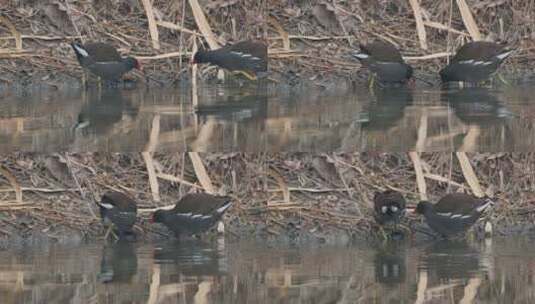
[
  {"x": 192, "y": 272},
  {"x": 259, "y": 118}
]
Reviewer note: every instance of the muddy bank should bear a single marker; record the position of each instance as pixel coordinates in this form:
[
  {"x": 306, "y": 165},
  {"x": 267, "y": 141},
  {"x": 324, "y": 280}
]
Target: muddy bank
[
  {"x": 308, "y": 40},
  {"x": 288, "y": 196}
]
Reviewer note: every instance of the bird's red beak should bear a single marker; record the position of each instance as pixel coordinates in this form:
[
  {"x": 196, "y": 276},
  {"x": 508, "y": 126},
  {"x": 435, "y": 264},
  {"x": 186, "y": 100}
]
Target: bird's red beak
[{"x": 410, "y": 209}]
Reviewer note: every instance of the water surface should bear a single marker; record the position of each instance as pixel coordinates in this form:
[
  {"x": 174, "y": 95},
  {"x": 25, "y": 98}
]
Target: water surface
[
  {"x": 192, "y": 272},
  {"x": 260, "y": 118}
]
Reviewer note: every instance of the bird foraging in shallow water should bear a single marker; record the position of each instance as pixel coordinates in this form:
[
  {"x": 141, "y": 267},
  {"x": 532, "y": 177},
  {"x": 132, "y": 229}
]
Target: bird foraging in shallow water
[
  {"x": 245, "y": 57},
  {"x": 384, "y": 60},
  {"x": 193, "y": 214},
  {"x": 120, "y": 210},
  {"x": 454, "y": 213},
  {"x": 103, "y": 60},
  {"x": 475, "y": 61},
  {"x": 389, "y": 206}
]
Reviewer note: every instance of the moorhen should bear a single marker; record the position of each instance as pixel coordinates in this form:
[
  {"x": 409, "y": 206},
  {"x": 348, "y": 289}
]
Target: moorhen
[
  {"x": 120, "y": 210},
  {"x": 389, "y": 206},
  {"x": 246, "y": 57},
  {"x": 475, "y": 61},
  {"x": 103, "y": 60},
  {"x": 384, "y": 60},
  {"x": 454, "y": 213},
  {"x": 193, "y": 214}
]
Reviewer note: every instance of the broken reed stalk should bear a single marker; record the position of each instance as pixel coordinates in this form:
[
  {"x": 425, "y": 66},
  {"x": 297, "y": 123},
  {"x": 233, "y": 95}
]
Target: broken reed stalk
[
  {"x": 176, "y": 27},
  {"x": 153, "y": 29},
  {"x": 283, "y": 34},
  {"x": 282, "y": 184},
  {"x": 470, "y": 291},
  {"x": 422, "y": 133},
  {"x": 420, "y": 27},
  {"x": 470, "y": 139},
  {"x": 14, "y": 183},
  {"x": 468, "y": 20},
  {"x": 14, "y": 32},
  {"x": 151, "y": 171},
  {"x": 420, "y": 179},
  {"x": 200, "y": 172},
  {"x": 154, "y": 285},
  {"x": 422, "y": 287},
  {"x": 194, "y": 97},
  {"x": 203, "y": 24},
  {"x": 469, "y": 174},
  {"x": 154, "y": 134}
]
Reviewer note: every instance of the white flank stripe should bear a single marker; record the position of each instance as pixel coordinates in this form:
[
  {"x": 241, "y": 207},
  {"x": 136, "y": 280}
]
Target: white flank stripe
[
  {"x": 81, "y": 51},
  {"x": 184, "y": 214},
  {"x": 247, "y": 55},
  {"x": 224, "y": 207},
  {"x": 256, "y": 58},
  {"x": 237, "y": 53},
  {"x": 456, "y": 216},
  {"x": 478, "y": 62},
  {"x": 483, "y": 207},
  {"x": 206, "y": 217},
  {"x": 465, "y": 216},
  {"x": 502, "y": 56},
  {"x": 445, "y": 214},
  {"x": 196, "y": 216},
  {"x": 466, "y": 61},
  {"x": 106, "y": 62}
]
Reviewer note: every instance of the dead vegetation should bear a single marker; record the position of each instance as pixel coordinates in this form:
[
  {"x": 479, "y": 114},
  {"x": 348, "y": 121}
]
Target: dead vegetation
[
  {"x": 293, "y": 194},
  {"x": 322, "y": 33},
  {"x": 309, "y": 38},
  {"x": 160, "y": 33}
]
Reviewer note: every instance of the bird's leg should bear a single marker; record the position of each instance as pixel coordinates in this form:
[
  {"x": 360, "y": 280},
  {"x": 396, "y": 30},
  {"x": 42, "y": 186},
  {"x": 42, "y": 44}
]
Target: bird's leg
[
  {"x": 110, "y": 231},
  {"x": 500, "y": 77},
  {"x": 382, "y": 233},
  {"x": 110, "y": 227},
  {"x": 84, "y": 79},
  {"x": 246, "y": 74},
  {"x": 99, "y": 85},
  {"x": 371, "y": 82}
]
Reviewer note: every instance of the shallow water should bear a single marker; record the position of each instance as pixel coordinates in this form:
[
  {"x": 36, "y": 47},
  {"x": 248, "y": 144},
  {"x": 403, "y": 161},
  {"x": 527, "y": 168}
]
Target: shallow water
[
  {"x": 260, "y": 118},
  {"x": 191, "y": 272}
]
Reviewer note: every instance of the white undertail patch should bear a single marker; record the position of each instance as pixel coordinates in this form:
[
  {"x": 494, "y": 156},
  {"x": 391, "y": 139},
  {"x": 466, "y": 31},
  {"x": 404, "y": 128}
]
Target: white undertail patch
[
  {"x": 361, "y": 55},
  {"x": 81, "y": 50},
  {"x": 106, "y": 205}
]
